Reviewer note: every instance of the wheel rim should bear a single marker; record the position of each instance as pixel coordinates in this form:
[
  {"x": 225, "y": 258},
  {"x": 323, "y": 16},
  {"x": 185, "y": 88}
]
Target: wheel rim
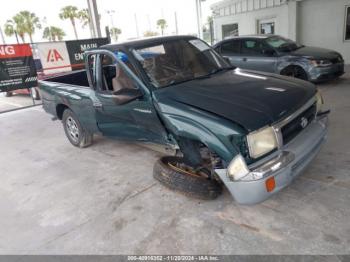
[
  {"x": 296, "y": 73},
  {"x": 73, "y": 129}
]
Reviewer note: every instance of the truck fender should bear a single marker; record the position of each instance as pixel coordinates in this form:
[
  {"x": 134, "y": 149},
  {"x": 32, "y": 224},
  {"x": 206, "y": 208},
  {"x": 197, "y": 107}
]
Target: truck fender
[{"x": 181, "y": 126}]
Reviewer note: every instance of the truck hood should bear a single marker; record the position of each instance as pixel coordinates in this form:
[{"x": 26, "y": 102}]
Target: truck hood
[
  {"x": 315, "y": 52},
  {"x": 250, "y": 99}
]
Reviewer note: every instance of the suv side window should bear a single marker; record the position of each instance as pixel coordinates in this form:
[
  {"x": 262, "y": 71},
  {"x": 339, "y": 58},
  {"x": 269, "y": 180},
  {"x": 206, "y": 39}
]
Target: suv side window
[
  {"x": 252, "y": 47},
  {"x": 231, "y": 47}
]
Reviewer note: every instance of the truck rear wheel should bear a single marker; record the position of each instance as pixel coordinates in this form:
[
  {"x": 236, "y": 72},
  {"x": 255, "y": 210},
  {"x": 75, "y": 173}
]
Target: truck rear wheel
[
  {"x": 75, "y": 133},
  {"x": 171, "y": 172}
]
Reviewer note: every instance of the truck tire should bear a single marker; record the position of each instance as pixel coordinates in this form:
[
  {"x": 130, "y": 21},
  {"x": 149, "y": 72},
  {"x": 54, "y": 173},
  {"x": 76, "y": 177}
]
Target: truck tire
[
  {"x": 76, "y": 134},
  {"x": 190, "y": 184}
]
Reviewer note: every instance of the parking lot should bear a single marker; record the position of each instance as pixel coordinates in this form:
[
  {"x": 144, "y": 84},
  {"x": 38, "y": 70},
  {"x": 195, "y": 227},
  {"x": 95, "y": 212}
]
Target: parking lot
[{"x": 57, "y": 199}]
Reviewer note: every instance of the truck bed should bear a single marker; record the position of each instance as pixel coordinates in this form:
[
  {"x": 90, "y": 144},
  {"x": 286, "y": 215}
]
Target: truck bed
[{"x": 76, "y": 78}]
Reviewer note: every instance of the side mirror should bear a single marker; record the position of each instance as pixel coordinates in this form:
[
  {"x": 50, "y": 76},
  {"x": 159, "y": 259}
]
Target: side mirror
[
  {"x": 268, "y": 52},
  {"x": 126, "y": 95}
]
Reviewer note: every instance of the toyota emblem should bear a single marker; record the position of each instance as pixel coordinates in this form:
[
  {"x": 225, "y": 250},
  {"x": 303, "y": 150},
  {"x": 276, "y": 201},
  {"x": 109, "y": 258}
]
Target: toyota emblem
[{"x": 304, "y": 122}]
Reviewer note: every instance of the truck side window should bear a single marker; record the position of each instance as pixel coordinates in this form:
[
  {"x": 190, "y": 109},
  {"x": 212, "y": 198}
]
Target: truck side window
[{"x": 114, "y": 77}]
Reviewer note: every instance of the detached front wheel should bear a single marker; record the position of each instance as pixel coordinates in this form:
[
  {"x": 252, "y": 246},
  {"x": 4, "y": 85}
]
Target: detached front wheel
[
  {"x": 75, "y": 133},
  {"x": 174, "y": 174}
]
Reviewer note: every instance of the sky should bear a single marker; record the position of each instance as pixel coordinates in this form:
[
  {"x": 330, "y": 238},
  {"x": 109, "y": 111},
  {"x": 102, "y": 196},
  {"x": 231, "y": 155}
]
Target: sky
[{"x": 123, "y": 17}]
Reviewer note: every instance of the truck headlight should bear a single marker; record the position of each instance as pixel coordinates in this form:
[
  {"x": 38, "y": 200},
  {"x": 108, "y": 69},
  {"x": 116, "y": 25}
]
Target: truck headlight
[
  {"x": 237, "y": 169},
  {"x": 261, "y": 142},
  {"x": 319, "y": 101}
]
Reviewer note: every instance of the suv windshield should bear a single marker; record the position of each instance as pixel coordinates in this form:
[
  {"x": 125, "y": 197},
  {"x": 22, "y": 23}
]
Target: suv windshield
[
  {"x": 177, "y": 61},
  {"x": 282, "y": 44}
]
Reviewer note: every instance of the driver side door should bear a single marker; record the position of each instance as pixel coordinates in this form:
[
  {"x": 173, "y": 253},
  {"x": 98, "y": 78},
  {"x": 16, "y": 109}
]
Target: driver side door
[{"x": 123, "y": 105}]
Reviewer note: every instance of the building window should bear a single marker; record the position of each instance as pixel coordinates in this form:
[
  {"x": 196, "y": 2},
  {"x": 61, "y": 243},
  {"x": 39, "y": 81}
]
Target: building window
[
  {"x": 267, "y": 28},
  {"x": 347, "y": 24},
  {"x": 229, "y": 30}
]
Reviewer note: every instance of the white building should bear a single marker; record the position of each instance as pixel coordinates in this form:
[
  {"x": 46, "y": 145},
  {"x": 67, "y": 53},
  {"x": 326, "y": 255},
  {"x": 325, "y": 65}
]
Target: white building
[{"x": 322, "y": 23}]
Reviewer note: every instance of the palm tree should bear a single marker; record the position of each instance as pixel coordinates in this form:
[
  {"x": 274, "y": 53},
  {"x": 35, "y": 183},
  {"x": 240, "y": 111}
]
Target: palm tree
[
  {"x": 53, "y": 33},
  {"x": 16, "y": 26},
  {"x": 10, "y": 29},
  {"x": 31, "y": 22},
  {"x": 84, "y": 17},
  {"x": 70, "y": 12},
  {"x": 162, "y": 24},
  {"x": 115, "y": 32}
]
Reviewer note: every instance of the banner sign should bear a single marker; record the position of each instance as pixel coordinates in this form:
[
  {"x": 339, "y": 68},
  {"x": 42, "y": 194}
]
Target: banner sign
[
  {"x": 60, "y": 57},
  {"x": 17, "y": 67},
  {"x": 76, "y": 50},
  {"x": 54, "y": 57}
]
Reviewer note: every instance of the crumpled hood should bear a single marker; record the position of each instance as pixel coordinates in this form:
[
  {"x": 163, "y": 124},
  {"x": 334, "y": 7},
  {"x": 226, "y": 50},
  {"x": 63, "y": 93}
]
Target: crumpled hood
[
  {"x": 250, "y": 99},
  {"x": 315, "y": 52}
]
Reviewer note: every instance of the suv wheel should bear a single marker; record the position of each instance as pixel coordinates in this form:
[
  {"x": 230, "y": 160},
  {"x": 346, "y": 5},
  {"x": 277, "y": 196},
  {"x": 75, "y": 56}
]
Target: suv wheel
[{"x": 295, "y": 71}]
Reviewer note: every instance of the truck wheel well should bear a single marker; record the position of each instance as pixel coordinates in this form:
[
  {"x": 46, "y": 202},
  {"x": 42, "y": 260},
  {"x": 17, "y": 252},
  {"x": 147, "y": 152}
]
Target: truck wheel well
[
  {"x": 195, "y": 152},
  {"x": 59, "y": 110}
]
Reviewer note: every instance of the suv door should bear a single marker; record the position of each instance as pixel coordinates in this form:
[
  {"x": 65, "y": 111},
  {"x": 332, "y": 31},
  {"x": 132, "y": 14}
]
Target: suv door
[
  {"x": 256, "y": 55},
  {"x": 123, "y": 105},
  {"x": 231, "y": 49}
]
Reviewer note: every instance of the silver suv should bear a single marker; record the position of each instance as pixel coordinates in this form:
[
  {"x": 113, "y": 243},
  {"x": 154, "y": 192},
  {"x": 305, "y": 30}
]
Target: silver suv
[{"x": 275, "y": 54}]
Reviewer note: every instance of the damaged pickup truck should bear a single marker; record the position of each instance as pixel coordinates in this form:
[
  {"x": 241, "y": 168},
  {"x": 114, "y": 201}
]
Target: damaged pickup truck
[{"x": 252, "y": 132}]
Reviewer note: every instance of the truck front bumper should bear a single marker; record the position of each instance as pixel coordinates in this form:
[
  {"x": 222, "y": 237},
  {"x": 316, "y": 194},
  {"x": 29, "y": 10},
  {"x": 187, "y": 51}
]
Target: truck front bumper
[{"x": 284, "y": 167}]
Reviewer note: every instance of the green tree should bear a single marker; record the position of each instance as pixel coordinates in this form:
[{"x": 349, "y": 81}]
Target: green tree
[
  {"x": 162, "y": 24},
  {"x": 70, "y": 12},
  {"x": 115, "y": 32},
  {"x": 10, "y": 29},
  {"x": 53, "y": 33},
  {"x": 85, "y": 20},
  {"x": 30, "y": 23}
]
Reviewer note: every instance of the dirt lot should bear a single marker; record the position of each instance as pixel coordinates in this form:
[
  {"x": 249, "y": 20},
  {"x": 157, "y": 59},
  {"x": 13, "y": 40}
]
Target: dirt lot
[{"x": 57, "y": 199}]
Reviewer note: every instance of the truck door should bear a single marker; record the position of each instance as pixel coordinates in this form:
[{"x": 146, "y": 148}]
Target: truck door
[{"x": 123, "y": 105}]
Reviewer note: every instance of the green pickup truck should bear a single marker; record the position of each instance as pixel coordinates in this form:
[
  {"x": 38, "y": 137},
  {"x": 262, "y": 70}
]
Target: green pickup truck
[{"x": 250, "y": 131}]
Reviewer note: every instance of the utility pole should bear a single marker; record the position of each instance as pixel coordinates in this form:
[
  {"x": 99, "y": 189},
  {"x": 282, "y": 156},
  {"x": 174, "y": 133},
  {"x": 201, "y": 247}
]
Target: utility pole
[
  {"x": 111, "y": 13},
  {"x": 199, "y": 17},
  {"x": 94, "y": 17},
  {"x": 149, "y": 23},
  {"x": 2, "y": 36},
  {"x": 137, "y": 27},
  {"x": 176, "y": 26}
]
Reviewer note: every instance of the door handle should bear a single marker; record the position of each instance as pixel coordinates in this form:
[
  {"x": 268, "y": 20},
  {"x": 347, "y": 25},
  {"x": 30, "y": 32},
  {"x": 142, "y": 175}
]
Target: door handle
[{"x": 244, "y": 59}]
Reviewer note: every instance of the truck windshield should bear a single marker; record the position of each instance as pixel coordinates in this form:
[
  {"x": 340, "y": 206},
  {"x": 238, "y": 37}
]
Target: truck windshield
[
  {"x": 282, "y": 44},
  {"x": 176, "y": 61}
]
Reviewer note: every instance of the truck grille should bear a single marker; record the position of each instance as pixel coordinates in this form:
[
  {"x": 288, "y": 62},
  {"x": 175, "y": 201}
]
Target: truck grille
[{"x": 294, "y": 127}]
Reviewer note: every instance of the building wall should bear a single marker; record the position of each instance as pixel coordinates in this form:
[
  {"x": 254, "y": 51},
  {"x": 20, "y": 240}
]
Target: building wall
[
  {"x": 322, "y": 23},
  {"x": 247, "y": 14}
]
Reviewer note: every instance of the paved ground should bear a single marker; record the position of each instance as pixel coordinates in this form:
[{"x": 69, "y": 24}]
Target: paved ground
[
  {"x": 15, "y": 101},
  {"x": 56, "y": 199}
]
